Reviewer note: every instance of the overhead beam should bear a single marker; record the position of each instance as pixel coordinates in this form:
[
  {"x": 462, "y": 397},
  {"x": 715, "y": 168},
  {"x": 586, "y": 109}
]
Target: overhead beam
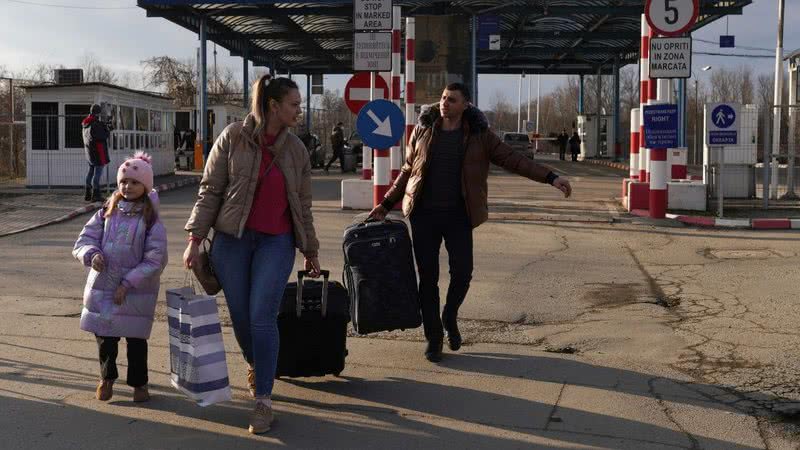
[
  {"x": 282, "y": 35},
  {"x": 523, "y": 35},
  {"x": 543, "y": 55},
  {"x": 347, "y": 11}
]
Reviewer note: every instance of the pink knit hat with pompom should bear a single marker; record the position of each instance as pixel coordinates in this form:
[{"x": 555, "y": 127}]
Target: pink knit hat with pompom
[{"x": 139, "y": 168}]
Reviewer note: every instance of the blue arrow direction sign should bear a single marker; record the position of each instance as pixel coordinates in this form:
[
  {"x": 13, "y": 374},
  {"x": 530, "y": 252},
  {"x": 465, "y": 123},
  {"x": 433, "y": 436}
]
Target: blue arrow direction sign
[
  {"x": 381, "y": 124},
  {"x": 661, "y": 126}
]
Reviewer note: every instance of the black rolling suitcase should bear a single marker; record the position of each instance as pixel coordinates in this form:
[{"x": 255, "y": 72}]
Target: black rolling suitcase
[
  {"x": 313, "y": 327},
  {"x": 380, "y": 277}
]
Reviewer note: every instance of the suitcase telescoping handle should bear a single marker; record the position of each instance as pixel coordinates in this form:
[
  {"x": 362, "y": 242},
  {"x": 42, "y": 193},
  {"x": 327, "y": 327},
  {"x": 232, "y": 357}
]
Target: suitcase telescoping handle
[{"x": 326, "y": 274}]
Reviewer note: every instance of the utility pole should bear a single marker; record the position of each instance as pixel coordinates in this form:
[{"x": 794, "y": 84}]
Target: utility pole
[
  {"x": 519, "y": 104},
  {"x": 538, "y": 97},
  {"x": 776, "y": 128}
]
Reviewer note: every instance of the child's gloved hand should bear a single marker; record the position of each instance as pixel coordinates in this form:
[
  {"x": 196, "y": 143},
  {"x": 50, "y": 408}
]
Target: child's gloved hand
[
  {"x": 98, "y": 263},
  {"x": 119, "y": 295}
]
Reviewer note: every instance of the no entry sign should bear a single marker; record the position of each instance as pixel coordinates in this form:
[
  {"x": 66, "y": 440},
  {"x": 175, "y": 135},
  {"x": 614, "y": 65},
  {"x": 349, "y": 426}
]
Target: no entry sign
[{"x": 356, "y": 92}]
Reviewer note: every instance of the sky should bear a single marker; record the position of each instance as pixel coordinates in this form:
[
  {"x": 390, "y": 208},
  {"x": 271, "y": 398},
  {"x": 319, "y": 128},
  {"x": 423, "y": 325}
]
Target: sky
[{"x": 120, "y": 38}]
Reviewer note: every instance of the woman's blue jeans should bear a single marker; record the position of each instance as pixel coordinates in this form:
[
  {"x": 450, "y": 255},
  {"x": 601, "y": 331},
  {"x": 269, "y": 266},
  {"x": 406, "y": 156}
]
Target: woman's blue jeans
[{"x": 253, "y": 272}]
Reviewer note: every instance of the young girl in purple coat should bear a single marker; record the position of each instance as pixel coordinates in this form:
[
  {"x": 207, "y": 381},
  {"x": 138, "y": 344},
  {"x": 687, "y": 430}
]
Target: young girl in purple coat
[{"x": 125, "y": 246}]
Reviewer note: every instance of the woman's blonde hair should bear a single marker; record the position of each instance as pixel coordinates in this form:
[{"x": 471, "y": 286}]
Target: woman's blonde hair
[
  {"x": 264, "y": 90},
  {"x": 148, "y": 210}
]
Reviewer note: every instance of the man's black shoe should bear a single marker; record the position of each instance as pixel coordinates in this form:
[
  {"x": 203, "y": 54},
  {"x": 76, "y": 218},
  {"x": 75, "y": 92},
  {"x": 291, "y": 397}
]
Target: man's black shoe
[
  {"x": 433, "y": 352},
  {"x": 450, "y": 323},
  {"x": 87, "y": 195}
]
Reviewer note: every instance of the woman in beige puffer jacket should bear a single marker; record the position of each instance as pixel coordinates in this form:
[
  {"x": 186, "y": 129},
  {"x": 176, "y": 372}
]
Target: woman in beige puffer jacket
[{"x": 256, "y": 194}]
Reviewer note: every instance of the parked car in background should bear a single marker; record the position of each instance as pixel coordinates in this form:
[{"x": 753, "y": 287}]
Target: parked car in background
[
  {"x": 518, "y": 141},
  {"x": 356, "y": 146}
]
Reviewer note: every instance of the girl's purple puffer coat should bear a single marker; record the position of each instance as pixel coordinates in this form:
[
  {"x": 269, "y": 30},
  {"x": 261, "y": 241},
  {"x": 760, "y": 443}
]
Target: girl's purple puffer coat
[{"x": 134, "y": 255}]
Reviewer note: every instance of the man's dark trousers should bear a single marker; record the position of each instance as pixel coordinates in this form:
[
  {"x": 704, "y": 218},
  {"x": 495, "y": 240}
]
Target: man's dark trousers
[
  {"x": 337, "y": 154},
  {"x": 429, "y": 228}
]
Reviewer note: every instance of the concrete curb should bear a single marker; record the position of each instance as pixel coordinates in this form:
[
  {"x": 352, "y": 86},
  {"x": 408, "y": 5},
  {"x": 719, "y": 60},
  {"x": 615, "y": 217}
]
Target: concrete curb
[
  {"x": 714, "y": 222},
  {"x": 94, "y": 206}
]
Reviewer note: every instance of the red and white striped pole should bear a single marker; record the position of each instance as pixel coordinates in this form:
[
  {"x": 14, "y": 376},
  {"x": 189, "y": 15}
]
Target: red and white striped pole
[
  {"x": 644, "y": 95},
  {"x": 381, "y": 179},
  {"x": 658, "y": 165},
  {"x": 634, "y": 165},
  {"x": 411, "y": 85},
  {"x": 396, "y": 154},
  {"x": 366, "y": 151},
  {"x": 382, "y": 170}
]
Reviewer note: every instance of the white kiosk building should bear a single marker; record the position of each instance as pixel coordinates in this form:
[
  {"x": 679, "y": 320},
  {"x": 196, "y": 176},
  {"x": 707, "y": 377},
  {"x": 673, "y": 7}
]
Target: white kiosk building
[{"x": 54, "y": 139}]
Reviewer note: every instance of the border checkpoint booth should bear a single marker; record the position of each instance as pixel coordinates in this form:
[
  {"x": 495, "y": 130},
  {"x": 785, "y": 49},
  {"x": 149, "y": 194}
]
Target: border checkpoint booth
[{"x": 54, "y": 139}]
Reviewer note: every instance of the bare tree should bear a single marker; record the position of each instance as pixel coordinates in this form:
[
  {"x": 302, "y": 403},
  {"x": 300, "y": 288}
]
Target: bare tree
[
  {"x": 225, "y": 86},
  {"x": 502, "y": 114},
  {"x": 331, "y": 109},
  {"x": 39, "y": 73},
  {"x": 93, "y": 71},
  {"x": 765, "y": 91},
  {"x": 733, "y": 85},
  {"x": 178, "y": 79}
]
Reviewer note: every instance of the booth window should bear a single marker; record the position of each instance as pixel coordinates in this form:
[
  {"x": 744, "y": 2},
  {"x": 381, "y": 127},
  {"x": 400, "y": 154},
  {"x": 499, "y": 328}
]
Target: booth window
[
  {"x": 73, "y": 126},
  {"x": 155, "y": 121},
  {"x": 142, "y": 120},
  {"x": 44, "y": 125},
  {"x": 126, "y": 118}
]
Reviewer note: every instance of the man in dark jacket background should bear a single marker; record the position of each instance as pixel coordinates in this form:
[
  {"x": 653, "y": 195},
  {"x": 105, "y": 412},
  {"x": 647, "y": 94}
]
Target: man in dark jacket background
[
  {"x": 562, "y": 140},
  {"x": 337, "y": 145},
  {"x": 95, "y": 141},
  {"x": 443, "y": 185},
  {"x": 575, "y": 145}
]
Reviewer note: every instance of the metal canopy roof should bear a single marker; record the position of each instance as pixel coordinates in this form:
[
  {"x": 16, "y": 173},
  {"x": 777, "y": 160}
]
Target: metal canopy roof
[{"x": 537, "y": 36}]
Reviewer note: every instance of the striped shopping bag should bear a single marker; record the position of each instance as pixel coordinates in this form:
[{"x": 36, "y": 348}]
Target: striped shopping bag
[{"x": 196, "y": 351}]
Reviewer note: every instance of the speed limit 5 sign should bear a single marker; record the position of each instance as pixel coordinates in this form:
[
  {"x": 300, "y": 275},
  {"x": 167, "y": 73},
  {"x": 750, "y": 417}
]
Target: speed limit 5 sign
[{"x": 671, "y": 17}]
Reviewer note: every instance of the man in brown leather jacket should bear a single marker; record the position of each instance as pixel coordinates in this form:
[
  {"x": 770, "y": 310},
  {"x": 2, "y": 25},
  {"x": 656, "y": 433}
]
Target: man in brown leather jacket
[{"x": 443, "y": 186}]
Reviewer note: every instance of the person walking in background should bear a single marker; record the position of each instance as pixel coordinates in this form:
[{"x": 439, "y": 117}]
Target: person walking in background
[
  {"x": 575, "y": 145},
  {"x": 125, "y": 245},
  {"x": 95, "y": 142},
  {"x": 337, "y": 143},
  {"x": 256, "y": 194},
  {"x": 563, "y": 140},
  {"x": 443, "y": 186}
]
